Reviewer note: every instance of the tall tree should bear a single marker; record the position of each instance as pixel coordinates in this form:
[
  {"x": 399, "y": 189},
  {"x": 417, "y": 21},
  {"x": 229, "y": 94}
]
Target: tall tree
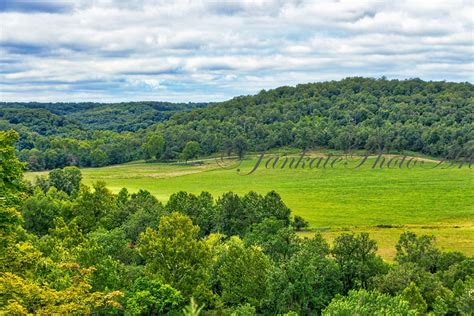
[
  {"x": 67, "y": 180},
  {"x": 418, "y": 250},
  {"x": 305, "y": 283},
  {"x": 357, "y": 258},
  {"x": 242, "y": 273},
  {"x": 191, "y": 150},
  {"x": 153, "y": 147},
  {"x": 11, "y": 170},
  {"x": 174, "y": 253}
]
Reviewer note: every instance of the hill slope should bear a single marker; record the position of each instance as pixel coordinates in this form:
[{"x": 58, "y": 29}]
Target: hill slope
[{"x": 434, "y": 118}]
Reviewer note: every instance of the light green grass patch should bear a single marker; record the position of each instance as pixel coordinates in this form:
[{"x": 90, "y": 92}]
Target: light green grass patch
[{"x": 334, "y": 199}]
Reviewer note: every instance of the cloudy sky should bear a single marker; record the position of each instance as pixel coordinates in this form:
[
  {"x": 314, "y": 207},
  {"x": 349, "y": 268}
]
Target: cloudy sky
[{"x": 118, "y": 50}]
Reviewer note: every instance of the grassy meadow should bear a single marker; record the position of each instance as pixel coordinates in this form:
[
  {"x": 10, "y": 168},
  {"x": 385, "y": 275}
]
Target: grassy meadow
[{"x": 383, "y": 202}]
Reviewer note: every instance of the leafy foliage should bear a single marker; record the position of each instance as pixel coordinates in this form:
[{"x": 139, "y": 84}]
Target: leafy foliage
[
  {"x": 368, "y": 303},
  {"x": 174, "y": 254},
  {"x": 79, "y": 250}
]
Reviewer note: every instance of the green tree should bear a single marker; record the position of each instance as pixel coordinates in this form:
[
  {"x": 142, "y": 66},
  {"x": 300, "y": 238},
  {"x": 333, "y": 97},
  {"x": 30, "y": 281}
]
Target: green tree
[
  {"x": 153, "y": 147},
  {"x": 357, "y": 258},
  {"x": 40, "y": 210},
  {"x": 192, "y": 309},
  {"x": 11, "y": 170},
  {"x": 98, "y": 158},
  {"x": 231, "y": 217},
  {"x": 299, "y": 223},
  {"x": 274, "y": 206},
  {"x": 306, "y": 282},
  {"x": 175, "y": 255},
  {"x": 142, "y": 210},
  {"x": 20, "y": 296},
  {"x": 191, "y": 150},
  {"x": 92, "y": 206},
  {"x": 244, "y": 310},
  {"x": 400, "y": 276},
  {"x": 414, "y": 298},
  {"x": 151, "y": 297},
  {"x": 366, "y": 303},
  {"x": 278, "y": 241},
  {"x": 240, "y": 146},
  {"x": 463, "y": 296},
  {"x": 242, "y": 273},
  {"x": 199, "y": 208},
  {"x": 115, "y": 244},
  {"x": 418, "y": 250},
  {"x": 67, "y": 180}
]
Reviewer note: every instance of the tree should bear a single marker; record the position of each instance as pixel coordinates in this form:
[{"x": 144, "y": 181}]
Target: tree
[
  {"x": 357, "y": 259},
  {"x": 458, "y": 271},
  {"x": 115, "y": 244},
  {"x": 274, "y": 206},
  {"x": 22, "y": 296},
  {"x": 98, "y": 158},
  {"x": 366, "y": 303},
  {"x": 400, "y": 276},
  {"x": 151, "y": 297},
  {"x": 92, "y": 206},
  {"x": 418, "y": 250},
  {"x": 244, "y": 310},
  {"x": 67, "y": 180},
  {"x": 199, "y": 208},
  {"x": 299, "y": 223},
  {"x": 306, "y": 282},
  {"x": 11, "y": 170},
  {"x": 153, "y": 147},
  {"x": 40, "y": 210},
  {"x": 231, "y": 216},
  {"x": 174, "y": 254},
  {"x": 463, "y": 296},
  {"x": 414, "y": 298},
  {"x": 191, "y": 150},
  {"x": 193, "y": 309},
  {"x": 278, "y": 241},
  {"x": 242, "y": 273},
  {"x": 141, "y": 211},
  {"x": 240, "y": 146}
]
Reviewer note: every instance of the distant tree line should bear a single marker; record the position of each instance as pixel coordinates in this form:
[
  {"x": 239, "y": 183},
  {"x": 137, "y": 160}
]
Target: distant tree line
[
  {"x": 434, "y": 118},
  {"x": 67, "y": 248}
]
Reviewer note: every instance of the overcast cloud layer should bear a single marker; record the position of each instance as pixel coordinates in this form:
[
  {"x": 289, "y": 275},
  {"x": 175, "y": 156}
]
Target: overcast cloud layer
[{"x": 112, "y": 50}]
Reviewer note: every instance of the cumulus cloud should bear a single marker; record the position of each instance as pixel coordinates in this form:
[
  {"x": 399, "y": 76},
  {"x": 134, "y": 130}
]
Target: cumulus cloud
[{"x": 183, "y": 50}]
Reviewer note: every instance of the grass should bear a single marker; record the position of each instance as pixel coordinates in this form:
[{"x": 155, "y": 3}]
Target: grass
[{"x": 424, "y": 199}]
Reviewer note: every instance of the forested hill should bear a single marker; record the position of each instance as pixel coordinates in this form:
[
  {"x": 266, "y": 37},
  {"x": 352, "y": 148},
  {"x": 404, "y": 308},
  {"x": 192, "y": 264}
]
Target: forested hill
[
  {"x": 430, "y": 117},
  {"x": 435, "y": 118},
  {"x": 129, "y": 116}
]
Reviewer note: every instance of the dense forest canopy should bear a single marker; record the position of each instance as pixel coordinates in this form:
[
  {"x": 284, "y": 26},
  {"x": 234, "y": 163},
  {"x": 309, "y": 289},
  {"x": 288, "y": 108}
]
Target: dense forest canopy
[
  {"x": 434, "y": 118},
  {"x": 129, "y": 116},
  {"x": 67, "y": 248}
]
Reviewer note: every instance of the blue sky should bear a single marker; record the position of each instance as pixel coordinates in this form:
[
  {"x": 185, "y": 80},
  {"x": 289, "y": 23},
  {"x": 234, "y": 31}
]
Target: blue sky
[{"x": 118, "y": 50}]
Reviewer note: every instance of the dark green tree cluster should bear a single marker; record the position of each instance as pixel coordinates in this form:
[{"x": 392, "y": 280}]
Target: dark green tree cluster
[
  {"x": 55, "y": 135},
  {"x": 83, "y": 149},
  {"x": 55, "y": 118},
  {"x": 434, "y": 118}
]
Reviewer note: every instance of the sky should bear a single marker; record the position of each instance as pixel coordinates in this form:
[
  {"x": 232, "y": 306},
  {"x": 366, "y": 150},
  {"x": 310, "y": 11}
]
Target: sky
[{"x": 198, "y": 51}]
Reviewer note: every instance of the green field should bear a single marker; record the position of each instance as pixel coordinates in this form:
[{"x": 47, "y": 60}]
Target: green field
[{"x": 425, "y": 200}]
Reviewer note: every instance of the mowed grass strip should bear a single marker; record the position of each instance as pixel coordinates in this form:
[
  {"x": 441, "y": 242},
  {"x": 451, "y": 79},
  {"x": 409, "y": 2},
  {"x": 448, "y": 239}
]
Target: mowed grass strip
[{"x": 330, "y": 199}]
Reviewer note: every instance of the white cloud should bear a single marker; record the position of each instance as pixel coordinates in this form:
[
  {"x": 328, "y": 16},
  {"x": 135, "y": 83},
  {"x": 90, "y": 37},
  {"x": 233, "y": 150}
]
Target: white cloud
[{"x": 212, "y": 50}]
